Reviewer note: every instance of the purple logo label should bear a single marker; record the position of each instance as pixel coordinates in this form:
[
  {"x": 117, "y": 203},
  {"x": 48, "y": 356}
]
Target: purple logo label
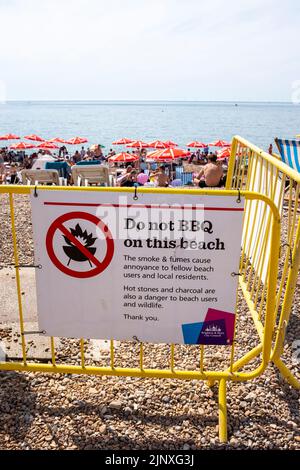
[{"x": 213, "y": 332}]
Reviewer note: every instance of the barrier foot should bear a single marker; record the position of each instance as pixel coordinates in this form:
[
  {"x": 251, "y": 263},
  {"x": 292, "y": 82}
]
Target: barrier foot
[
  {"x": 222, "y": 411},
  {"x": 210, "y": 383},
  {"x": 287, "y": 373}
]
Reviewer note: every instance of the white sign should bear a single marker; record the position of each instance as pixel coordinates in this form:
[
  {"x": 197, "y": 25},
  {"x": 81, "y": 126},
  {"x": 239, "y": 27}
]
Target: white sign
[{"x": 162, "y": 268}]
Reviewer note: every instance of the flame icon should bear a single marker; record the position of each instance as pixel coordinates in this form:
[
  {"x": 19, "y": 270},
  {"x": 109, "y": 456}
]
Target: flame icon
[{"x": 74, "y": 253}]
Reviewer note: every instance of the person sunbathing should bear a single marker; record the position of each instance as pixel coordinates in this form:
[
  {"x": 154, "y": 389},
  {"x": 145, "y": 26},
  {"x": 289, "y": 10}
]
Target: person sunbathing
[
  {"x": 161, "y": 178},
  {"x": 210, "y": 176},
  {"x": 129, "y": 180}
]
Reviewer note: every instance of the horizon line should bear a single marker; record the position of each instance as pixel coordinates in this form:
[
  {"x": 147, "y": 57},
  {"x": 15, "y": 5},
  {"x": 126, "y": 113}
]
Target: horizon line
[{"x": 141, "y": 100}]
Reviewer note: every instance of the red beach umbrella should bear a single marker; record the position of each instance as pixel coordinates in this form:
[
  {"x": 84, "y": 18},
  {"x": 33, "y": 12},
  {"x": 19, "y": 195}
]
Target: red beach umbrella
[
  {"x": 57, "y": 140},
  {"x": 225, "y": 153},
  {"x": 10, "y": 137},
  {"x": 34, "y": 137},
  {"x": 123, "y": 141},
  {"x": 47, "y": 146},
  {"x": 168, "y": 154},
  {"x": 22, "y": 146},
  {"x": 123, "y": 157},
  {"x": 196, "y": 144},
  {"x": 158, "y": 144},
  {"x": 219, "y": 143},
  {"x": 77, "y": 141},
  {"x": 138, "y": 144},
  {"x": 171, "y": 144}
]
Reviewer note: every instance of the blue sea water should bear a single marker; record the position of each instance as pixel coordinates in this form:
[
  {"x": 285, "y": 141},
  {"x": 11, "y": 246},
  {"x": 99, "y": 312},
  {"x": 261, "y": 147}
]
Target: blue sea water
[{"x": 106, "y": 121}]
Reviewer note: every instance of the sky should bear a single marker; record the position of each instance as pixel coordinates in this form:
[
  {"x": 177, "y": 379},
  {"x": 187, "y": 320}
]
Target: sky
[{"x": 219, "y": 50}]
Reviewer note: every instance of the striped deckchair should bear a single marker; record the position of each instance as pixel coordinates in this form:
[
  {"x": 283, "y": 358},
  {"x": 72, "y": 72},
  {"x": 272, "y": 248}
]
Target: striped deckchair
[
  {"x": 186, "y": 178},
  {"x": 290, "y": 152}
]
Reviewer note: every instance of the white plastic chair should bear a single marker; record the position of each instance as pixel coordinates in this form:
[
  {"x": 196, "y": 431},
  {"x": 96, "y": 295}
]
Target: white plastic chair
[
  {"x": 92, "y": 175},
  {"x": 33, "y": 177}
]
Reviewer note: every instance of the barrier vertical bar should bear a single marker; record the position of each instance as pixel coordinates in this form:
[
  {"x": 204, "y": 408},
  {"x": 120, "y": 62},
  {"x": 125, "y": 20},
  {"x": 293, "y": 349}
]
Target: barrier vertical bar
[
  {"x": 17, "y": 269},
  {"x": 141, "y": 356},
  {"x": 52, "y": 351},
  {"x": 222, "y": 411},
  {"x": 82, "y": 353},
  {"x": 172, "y": 357}
]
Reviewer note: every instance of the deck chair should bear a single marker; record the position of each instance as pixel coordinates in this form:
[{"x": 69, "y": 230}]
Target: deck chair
[
  {"x": 64, "y": 171},
  {"x": 186, "y": 178},
  {"x": 33, "y": 177},
  {"x": 92, "y": 175},
  {"x": 290, "y": 155},
  {"x": 178, "y": 172},
  {"x": 289, "y": 152}
]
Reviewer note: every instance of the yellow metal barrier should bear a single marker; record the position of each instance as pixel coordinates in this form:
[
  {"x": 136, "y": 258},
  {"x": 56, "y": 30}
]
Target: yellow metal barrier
[
  {"x": 263, "y": 316},
  {"x": 252, "y": 169}
]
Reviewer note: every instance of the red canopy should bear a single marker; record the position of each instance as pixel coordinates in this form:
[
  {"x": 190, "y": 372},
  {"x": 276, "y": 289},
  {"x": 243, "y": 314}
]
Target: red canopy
[
  {"x": 168, "y": 154},
  {"x": 123, "y": 141},
  {"x": 22, "y": 146},
  {"x": 138, "y": 144},
  {"x": 47, "y": 146},
  {"x": 219, "y": 143},
  {"x": 158, "y": 144},
  {"x": 57, "y": 140},
  {"x": 124, "y": 157},
  {"x": 171, "y": 144},
  {"x": 77, "y": 141},
  {"x": 10, "y": 137},
  {"x": 225, "y": 153},
  {"x": 34, "y": 137},
  {"x": 196, "y": 144}
]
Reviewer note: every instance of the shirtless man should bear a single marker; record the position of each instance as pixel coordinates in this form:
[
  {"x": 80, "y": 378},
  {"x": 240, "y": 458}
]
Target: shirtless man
[
  {"x": 162, "y": 178},
  {"x": 212, "y": 173}
]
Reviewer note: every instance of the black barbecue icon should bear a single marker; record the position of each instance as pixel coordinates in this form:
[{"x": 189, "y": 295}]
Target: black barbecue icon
[{"x": 74, "y": 253}]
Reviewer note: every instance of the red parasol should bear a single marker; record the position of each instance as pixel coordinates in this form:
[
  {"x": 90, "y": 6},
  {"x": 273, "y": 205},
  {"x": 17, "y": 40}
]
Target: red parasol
[
  {"x": 196, "y": 144},
  {"x": 57, "y": 140},
  {"x": 22, "y": 146},
  {"x": 10, "y": 137},
  {"x": 47, "y": 146},
  {"x": 138, "y": 144},
  {"x": 123, "y": 141},
  {"x": 171, "y": 144},
  {"x": 77, "y": 141},
  {"x": 225, "y": 153},
  {"x": 168, "y": 154},
  {"x": 34, "y": 137},
  {"x": 158, "y": 144},
  {"x": 123, "y": 157},
  {"x": 219, "y": 143}
]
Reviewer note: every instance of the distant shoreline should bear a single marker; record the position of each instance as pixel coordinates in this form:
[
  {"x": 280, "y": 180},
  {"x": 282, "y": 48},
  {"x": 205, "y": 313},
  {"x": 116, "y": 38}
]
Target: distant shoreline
[{"x": 151, "y": 102}]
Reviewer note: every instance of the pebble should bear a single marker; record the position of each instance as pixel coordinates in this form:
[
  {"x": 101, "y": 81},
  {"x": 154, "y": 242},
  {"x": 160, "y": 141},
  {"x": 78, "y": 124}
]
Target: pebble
[{"x": 115, "y": 405}]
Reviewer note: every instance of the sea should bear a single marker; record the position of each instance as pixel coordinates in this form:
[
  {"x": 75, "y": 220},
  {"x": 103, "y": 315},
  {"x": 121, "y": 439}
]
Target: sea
[{"x": 180, "y": 121}]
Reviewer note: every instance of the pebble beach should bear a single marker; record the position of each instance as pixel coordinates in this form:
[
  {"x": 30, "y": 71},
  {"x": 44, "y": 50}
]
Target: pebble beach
[{"x": 48, "y": 411}]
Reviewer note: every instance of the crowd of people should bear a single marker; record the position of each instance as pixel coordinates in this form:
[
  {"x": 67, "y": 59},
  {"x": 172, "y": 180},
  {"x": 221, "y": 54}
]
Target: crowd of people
[{"x": 210, "y": 173}]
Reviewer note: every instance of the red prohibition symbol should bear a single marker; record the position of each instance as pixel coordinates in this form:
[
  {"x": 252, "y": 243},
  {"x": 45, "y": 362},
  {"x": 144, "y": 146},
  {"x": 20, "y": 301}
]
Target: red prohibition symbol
[{"x": 100, "y": 266}]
